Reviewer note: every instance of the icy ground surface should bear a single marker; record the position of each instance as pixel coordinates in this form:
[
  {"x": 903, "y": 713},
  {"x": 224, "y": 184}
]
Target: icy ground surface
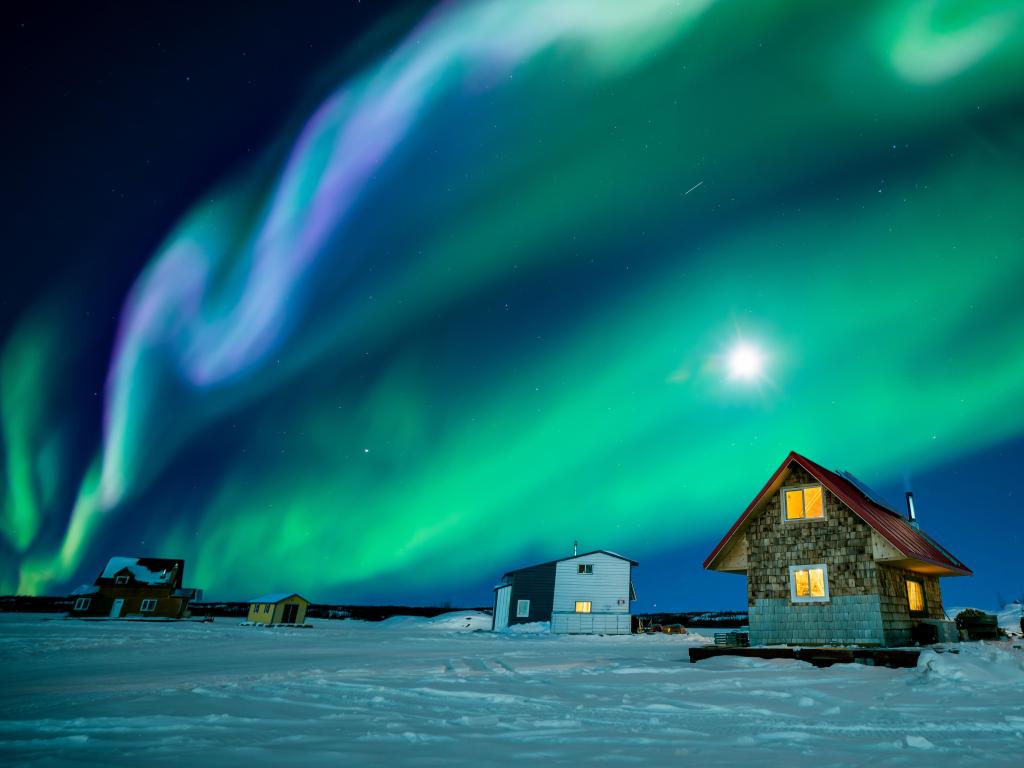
[{"x": 433, "y": 692}]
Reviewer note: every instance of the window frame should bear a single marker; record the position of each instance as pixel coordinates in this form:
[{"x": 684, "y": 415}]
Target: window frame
[
  {"x": 793, "y": 598},
  {"x": 520, "y": 613},
  {"x": 83, "y": 603},
  {"x": 120, "y": 580},
  {"x": 585, "y": 569},
  {"x": 588, "y": 603},
  {"x": 151, "y": 602},
  {"x": 804, "y": 486},
  {"x": 924, "y": 598}
]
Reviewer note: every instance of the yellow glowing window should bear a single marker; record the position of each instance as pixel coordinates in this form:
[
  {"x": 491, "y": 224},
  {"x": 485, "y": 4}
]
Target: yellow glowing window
[
  {"x": 804, "y": 503},
  {"x": 808, "y": 583},
  {"x": 915, "y": 596},
  {"x": 582, "y": 606}
]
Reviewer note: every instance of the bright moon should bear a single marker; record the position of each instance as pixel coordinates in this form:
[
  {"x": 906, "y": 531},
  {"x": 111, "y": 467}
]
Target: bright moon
[{"x": 745, "y": 362}]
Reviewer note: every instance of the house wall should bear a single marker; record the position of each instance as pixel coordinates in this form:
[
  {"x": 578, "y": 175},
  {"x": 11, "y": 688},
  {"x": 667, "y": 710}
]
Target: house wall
[
  {"x": 607, "y": 588},
  {"x": 895, "y": 607},
  {"x": 536, "y": 584},
  {"x": 499, "y": 617},
  {"x": 102, "y": 602},
  {"x": 843, "y": 542},
  {"x": 278, "y": 612}
]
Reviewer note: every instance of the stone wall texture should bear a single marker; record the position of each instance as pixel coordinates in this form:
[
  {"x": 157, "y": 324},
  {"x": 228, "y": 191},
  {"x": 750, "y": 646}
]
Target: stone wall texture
[
  {"x": 867, "y": 601},
  {"x": 892, "y": 590}
]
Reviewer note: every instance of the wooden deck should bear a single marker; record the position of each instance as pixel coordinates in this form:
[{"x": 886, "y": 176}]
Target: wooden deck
[{"x": 819, "y": 657}]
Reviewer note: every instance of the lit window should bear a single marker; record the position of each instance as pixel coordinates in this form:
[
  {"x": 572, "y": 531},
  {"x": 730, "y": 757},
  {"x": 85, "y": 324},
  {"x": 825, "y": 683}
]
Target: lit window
[
  {"x": 585, "y": 568},
  {"x": 582, "y": 606},
  {"x": 148, "y": 605},
  {"x": 83, "y": 603},
  {"x": 915, "y": 596},
  {"x": 121, "y": 580},
  {"x": 804, "y": 503},
  {"x": 808, "y": 583},
  {"x": 522, "y": 609}
]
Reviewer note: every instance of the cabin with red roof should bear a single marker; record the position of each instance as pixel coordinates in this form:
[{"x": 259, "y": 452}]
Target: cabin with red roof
[{"x": 828, "y": 562}]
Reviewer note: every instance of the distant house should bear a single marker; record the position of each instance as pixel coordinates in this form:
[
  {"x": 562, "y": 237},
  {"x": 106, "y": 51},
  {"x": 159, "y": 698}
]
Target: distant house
[
  {"x": 278, "y": 608},
  {"x": 582, "y": 594},
  {"x": 828, "y": 562},
  {"x": 138, "y": 587}
]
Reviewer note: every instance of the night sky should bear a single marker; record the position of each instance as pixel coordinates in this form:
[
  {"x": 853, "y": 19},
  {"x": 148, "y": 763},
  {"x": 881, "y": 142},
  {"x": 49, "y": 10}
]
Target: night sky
[{"x": 377, "y": 302}]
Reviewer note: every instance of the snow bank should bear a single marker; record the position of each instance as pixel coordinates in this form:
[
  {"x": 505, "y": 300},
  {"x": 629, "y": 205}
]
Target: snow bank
[{"x": 418, "y": 692}]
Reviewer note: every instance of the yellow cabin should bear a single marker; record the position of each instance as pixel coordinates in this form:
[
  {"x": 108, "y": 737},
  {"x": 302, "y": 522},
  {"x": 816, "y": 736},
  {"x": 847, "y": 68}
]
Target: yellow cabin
[{"x": 279, "y": 608}]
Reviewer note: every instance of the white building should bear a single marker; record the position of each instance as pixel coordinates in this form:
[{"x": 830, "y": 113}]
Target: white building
[{"x": 582, "y": 594}]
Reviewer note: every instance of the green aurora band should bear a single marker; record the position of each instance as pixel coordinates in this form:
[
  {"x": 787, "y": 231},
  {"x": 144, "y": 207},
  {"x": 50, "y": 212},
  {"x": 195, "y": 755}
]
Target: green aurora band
[{"x": 479, "y": 305}]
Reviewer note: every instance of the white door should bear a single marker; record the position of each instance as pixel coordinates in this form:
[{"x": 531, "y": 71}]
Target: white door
[
  {"x": 501, "y": 598},
  {"x": 115, "y": 609}
]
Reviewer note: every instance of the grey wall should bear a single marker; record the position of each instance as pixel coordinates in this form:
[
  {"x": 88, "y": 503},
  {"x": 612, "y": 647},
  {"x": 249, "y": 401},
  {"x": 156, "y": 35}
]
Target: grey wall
[{"x": 536, "y": 584}]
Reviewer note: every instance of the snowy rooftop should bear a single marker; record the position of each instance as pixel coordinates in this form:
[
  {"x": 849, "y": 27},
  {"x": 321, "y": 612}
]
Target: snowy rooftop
[
  {"x": 276, "y": 597},
  {"x": 139, "y": 571}
]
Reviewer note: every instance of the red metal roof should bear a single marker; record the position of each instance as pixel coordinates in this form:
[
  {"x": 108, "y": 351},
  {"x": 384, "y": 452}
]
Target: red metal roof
[{"x": 893, "y": 527}]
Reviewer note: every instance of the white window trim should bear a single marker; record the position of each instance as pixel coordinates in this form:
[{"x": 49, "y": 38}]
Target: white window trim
[
  {"x": 522, "y": 609},
  {"x": 83, "y": 603},
  {"x": 152, "y": 605},
  {"x": 120, "y": 579},
  {"x": 782, "y": 503},
  {"x": 810, "y": 598}
]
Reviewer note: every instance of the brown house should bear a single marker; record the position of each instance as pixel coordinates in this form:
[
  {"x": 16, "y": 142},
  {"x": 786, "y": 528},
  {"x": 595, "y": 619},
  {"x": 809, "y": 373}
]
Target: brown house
[
  {"x": 828, "y": 562},
  {"x": 136, "y": 587}
]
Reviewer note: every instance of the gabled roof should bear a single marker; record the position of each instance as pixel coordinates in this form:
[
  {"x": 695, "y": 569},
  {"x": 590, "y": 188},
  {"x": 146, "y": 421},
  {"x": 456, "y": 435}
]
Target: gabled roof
[
  {"x": 574, "y": 557},
  {"x": 151, "y": 571},
  {"x": 913, "y": 543},
  {"x": 276, "y": 597}
]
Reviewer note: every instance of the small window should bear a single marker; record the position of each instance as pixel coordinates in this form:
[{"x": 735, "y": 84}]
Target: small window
[
  {"x": 808, "y": 583},
  {"x": 266, "y": 608},
  {"x": 582, "y": 606},
  {"x": 83, "y": 603},
  {"x": 121, "y": 580},
  {"x": 585, "y": 568},
  {"x": 803, "y": 503},
  {"x": 915, "y": 598},
  {"x": 522, "y": 609},
  {"x": 148, "y": 605}
]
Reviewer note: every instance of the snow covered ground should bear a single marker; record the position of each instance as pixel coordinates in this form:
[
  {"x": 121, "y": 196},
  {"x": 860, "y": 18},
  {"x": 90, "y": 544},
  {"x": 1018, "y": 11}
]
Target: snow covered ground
[{"x": 433, "y": 692}]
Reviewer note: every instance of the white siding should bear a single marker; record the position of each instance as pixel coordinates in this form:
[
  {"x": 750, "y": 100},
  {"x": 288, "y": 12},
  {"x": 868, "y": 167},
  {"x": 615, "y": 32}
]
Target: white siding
[
  {"x": 501, "y": 598},
  {"x": 591, "y": 623},
  {"x": 607, "y": 589}
]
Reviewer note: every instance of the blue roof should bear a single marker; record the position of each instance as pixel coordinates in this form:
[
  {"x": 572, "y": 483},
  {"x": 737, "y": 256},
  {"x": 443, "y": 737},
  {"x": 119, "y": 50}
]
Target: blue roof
[{"x": 276, "y": 597}]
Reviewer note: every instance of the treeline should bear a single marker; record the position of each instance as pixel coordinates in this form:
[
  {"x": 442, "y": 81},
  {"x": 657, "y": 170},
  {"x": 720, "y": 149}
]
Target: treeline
[
  {"x": 720, "y": 619},
  {"x": 331, "y": 611}
]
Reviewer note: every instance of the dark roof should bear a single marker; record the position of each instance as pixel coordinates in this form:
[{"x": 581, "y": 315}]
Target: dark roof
[
  {"x": 573, "y": 557},
  {"x": 150, "y": 571},
  {"x": 893, "y": 527}
]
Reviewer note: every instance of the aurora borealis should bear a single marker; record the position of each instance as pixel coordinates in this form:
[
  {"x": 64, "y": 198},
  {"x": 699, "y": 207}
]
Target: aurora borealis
[{"x": 474, "y": 301}]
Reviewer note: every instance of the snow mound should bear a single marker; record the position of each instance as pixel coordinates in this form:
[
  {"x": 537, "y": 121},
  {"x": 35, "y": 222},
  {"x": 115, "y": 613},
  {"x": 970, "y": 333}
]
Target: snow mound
[
  {"x": 460, "y": 621},
  {"x": 533, "y": 628},
  {"x": 976, "y": 663},
  {"x": 456, "y": 621}
]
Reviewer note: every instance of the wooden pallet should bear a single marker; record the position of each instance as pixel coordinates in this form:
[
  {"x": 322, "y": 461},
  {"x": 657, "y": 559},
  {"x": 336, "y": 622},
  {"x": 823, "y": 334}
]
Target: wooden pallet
[{"x": 819, "y": 657}]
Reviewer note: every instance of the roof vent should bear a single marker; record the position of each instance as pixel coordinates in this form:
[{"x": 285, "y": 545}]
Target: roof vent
[
  {"x": 575, "y": 544},
  {"x": 911, "y": 512}
]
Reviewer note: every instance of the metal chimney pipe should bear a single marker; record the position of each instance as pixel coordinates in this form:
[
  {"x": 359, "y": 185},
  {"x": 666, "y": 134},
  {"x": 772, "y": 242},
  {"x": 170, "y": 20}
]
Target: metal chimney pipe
[
  {"x": 574, "y": 545},
  {"x": 911, "y": 512}
]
